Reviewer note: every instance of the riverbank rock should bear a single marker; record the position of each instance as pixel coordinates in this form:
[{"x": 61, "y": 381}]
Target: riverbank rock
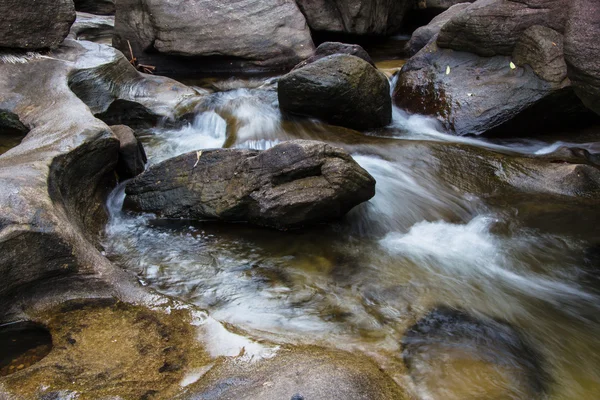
[
  {"x": 331, "y": 48},
  {"x": 424, "y": 34},
  {"x": 52, "y": 206},
  {"x": 95, "y": 28},
  {"x": 190, "y": 36},
  {"x": 439, "y": 5},
  {"x": 99, "y": 7},
  {"x": 35, "y": 26},
  {"x": 293, "y": 184},
  {"x": 355, "y": 17},
  {"x": 484, "y": 350},
  {"x": 582, "y": 51},
  {"x": 339, "y": 89},
  {"x": 295, "y": 374}
]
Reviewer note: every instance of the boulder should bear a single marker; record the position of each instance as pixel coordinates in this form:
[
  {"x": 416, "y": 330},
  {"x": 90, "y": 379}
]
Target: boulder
[
  {"x": 341, "y": 90},
  {"x": 476, "y": 95},
  {"x": 310, "y": 373},
  {"x": 542, "y": 49},
  {"x": 99, "y": 7},
  {"x": 483, "y": 349},
  {"x": 331, "y": 48},
  {"x": 42, "y": 25},
  {"x": 95, "y": 28},
  {"x": 424, "y": 34},
  {"x": 132, "y": 157},
  {"x": 194, "y": 35},
  {"x": 293, "y": 184},
  {"x": 355, "y": 17},
  {"x": 582, "y": 51},
  {"x": 493, "y": 27}
]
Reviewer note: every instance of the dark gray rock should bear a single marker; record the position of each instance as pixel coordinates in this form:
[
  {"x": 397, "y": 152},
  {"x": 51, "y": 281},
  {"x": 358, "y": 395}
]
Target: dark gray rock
[
  {"x": 293, "y": 184},
  {"x": 542, "y": 49},
  {"x": 38, "y": 25},
  {"x": 132, "y": 157},
  {"x": 331, "y": 48},
  {"x": 493, "y": 27},
  {"x": 491, "y": 346},
  {"x": 424, "y": 34},
  {"x": 439, "y": 5},
  {"x": 309, "y": 373},
  {"x": 475, "y": 95},
  {"x": 341, "y": 90},
  {"x": 10, "y": 124},
  {"x": 99, "y": 7},
  {"x": 582, "y": 51},
  {"x": 173, "y": 36},
  {"x": 356, "y": 17}
]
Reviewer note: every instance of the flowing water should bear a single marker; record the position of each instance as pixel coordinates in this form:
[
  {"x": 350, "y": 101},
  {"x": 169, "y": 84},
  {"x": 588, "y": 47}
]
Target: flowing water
[{"x": 432, "y": 236}]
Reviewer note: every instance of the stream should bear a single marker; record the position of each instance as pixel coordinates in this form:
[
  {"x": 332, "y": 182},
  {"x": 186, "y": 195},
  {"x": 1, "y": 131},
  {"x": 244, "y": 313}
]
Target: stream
[{"x": 431, "y": 237}]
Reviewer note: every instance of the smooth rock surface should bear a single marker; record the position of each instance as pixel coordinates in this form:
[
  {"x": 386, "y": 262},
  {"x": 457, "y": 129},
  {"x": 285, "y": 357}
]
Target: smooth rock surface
[
  {"x": 493, "y": 27},
  {"x": 341, "y": 90},
  {"x": 35, "y": 26},
  {"x": 424, "y": 34},
  {"x": 95, "y": 28},
  {"x": 582, "y": 51},
  {"x": 293, "y": 184},
  {"x": 356, "y": 17},
  {"x": 248, "y": 34}
]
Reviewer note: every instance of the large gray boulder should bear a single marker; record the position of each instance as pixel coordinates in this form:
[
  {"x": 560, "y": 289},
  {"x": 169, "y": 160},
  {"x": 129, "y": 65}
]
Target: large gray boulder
[
  {"x": 493, "y": 27},
  {"x": 35, "y": 25},
  {"x": 246, "y": 34},
  {"x": 356, "y": 17},
  {"x": 340, "y": 89},
  {"x": 423, "y": 35},
  {"x": 293, "y": 184},
  {"x": 582, "y": 51},
  {"x": 475, "y": 95}
]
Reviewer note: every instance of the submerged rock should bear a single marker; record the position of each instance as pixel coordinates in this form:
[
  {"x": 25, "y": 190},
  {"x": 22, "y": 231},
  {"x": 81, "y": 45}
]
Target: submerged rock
[
  {"x": 340, "y": 89},
  {"x": 451, "y": 351},
  {"x": 132, "y": 157},
  {"x": 310, "y": 373},
  {"x": 356, "y": 17},
  {"x": 293, "y": 184},
  {"x": 35, "y": 26},
  {"x": 173, "y": 36}
]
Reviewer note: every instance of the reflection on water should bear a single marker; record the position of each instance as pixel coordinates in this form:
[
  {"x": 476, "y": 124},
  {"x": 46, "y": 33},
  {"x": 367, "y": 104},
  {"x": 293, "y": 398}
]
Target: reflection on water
[{"x": 361, "y": 283}]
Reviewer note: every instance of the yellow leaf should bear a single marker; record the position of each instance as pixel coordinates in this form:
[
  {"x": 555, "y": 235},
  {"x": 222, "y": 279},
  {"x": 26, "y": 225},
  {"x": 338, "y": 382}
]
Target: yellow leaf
[
  {"x": 512, "y": 65},
  {"x": 448, "y": 70}
]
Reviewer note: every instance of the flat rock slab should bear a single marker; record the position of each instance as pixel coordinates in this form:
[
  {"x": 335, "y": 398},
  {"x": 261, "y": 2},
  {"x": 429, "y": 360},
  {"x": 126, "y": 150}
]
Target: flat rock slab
[{"x": 293, "y": 184}]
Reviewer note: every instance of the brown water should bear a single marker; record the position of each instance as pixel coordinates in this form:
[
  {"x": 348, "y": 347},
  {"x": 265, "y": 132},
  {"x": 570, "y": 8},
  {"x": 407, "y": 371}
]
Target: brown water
[
  {"x": 22, "y": 345},
  {"x": 434, "y": 235}
]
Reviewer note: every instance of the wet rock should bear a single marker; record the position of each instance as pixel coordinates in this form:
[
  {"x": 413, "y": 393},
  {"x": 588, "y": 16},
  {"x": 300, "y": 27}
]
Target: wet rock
[
  {"x": 105, "y": 349},
  {"x": 56, "y": 181},
  {"x": 10, "y": 124},
  {"x": 331, "y": 48},
  {"x": 582, "y": 50},
  {"x": 95, "y": 28},
  {"x": 341, "y": 90},
  {"x": 35, "y": 26},
  {"x": 293, "y": 184},
  {"x": 424, "y": 34},
  {"x": 493, "y": 27},
  {"x": 297, "y": 373},
  {"x": 132, "y": 157},
  {"x": 183, "y": 37},
  {"x": 356, "y": 17},
  {"x": 476, "y": 95},
  {"x": 542, "y": 49},
  {"x": 451, "y": 351},
  {"x": 99, "y": 7}
]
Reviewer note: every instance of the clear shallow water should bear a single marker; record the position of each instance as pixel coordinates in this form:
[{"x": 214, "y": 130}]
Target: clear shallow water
[{"x": 421, "y": 242}]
